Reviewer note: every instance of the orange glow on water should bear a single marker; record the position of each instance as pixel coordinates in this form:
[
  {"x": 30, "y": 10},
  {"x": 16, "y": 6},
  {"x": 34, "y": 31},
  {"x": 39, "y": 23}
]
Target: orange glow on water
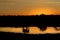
[{"x": 32, "y": 30}]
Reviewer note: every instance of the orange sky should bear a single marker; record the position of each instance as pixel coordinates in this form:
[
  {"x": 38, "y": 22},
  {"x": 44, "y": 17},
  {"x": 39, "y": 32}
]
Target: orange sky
[{"x": 29, "y": 7}]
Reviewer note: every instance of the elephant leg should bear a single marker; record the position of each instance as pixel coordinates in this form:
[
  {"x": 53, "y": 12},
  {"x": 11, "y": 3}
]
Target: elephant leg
[
  {"x": 25, "y": 29},
  {"x": 42, "y": 28},
  {"x": 57, "y": 28}
]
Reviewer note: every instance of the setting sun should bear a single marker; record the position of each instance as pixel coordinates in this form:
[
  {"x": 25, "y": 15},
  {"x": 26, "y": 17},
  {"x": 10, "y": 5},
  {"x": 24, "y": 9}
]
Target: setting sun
[{"x": 38, "y": 11}]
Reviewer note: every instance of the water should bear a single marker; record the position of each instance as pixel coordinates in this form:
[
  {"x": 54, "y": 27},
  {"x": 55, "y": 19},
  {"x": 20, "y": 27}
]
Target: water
[{"x": 32, "y": 30}]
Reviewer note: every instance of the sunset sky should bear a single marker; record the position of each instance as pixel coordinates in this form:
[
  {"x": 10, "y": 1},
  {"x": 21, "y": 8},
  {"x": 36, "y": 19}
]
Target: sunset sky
[{"x": 29, "y": 7}]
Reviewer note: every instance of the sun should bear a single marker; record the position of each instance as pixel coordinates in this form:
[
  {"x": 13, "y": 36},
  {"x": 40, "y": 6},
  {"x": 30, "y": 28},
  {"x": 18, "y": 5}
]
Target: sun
[{"x": 38, "y": 11}]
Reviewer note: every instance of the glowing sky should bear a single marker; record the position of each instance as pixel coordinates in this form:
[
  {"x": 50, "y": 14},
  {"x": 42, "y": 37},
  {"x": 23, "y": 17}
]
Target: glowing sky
[{"x": 25, "y": 7}]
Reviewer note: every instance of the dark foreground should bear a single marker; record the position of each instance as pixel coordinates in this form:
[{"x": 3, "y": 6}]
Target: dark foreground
[
  {"x": 41, "y": 21},
  {"x": 7, "y": 36}
]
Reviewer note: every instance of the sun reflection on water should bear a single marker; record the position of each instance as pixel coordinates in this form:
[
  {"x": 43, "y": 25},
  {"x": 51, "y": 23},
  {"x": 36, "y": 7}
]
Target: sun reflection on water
[{"x": 32, "y": 30}]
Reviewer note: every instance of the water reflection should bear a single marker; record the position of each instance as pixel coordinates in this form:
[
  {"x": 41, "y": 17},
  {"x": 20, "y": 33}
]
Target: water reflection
[{"x": 32, "y": 30}]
